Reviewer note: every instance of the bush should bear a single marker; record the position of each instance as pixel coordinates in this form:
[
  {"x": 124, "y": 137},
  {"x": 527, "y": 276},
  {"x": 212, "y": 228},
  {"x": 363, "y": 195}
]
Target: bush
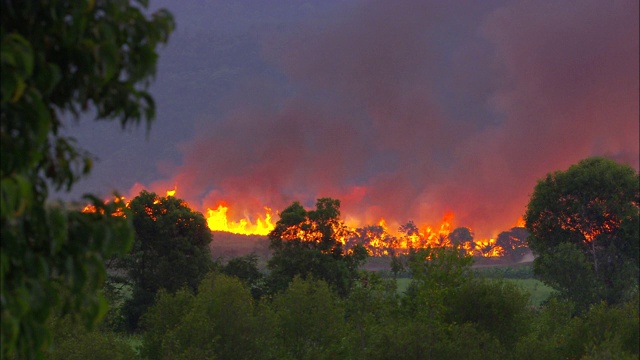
[
  {"x": 72, "y": 341},
  {"x": 310, "y": 321},
  {"x": 496, "y": 307},
  {"x": 217, "y": 322}
]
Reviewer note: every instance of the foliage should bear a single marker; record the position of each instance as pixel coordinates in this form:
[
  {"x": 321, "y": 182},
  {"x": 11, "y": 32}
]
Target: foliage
[
  {"x": 310, "y": 321},
  {"x": 514, "y": 243},
  {"x": 171, "y": 250},
  {"x": 71, "y": 341},
  {"x": 310, "y": 244},
  {"x": 217, "y": 323},
  {"x": 604, "y": 332},
  {"x": 162, "y": 319},
  {"x": 61, "y": 268},
  {"x": 572, "y": 273},
  {"x": 425, "y": 326},
  {"x": 584, "y": 225},
  {"x": 436, "y": 273},
  {"x": 440, "y": 268},
  {"x": 246, "y": 269},
  {"x": 449, "y": 315},
  {"x": 461, "y": 235},
  {"x": 496, "y": 307},
  {"x": 373, "y": 304},
  {"x": 375, "y": 239},
  {"x": 61, "y": 58}
]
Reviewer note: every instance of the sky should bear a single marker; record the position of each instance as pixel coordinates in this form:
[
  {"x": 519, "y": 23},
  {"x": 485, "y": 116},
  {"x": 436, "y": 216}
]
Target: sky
[{"x": 403, "y": 110}]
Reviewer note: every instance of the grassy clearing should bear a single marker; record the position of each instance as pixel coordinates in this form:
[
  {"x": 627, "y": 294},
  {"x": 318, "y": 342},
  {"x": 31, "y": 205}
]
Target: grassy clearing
[{"x": 538, "y": 291}]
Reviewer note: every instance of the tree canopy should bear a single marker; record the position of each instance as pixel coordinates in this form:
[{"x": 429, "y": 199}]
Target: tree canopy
[
  {"x": 513, "y": 242},
  {"x": 584, "y": 225},
  {"x": 59, "y": 59},
  {"x": 170, "y": 251},
  {"x": 310, "y": 244}
]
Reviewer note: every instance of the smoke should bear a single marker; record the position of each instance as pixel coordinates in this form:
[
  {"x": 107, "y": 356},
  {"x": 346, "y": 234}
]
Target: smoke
[{"x": 406, "y": 110}]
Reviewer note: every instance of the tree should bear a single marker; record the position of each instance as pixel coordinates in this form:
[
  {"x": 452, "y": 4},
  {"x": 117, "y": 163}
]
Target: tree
[
  {"x": 246, "y": 269},
  {"x": 594, "y": 207},
  {"x": 375, "y": 239},
  {"x": 460, "y": 236},
  {"x": 72, "y": 341},
  {"x": 371, "y": 308},
  {"x": 422, "y": 327},
  {"x": 310, "y": 321},
  {"x": 59, "y": 59},
  {"x": 171, "y": 250},
  {"x": 310, "y": 244},
  {"x": 162, "y": 319},
  {"x": 410, "y": 236},
  {"x": 218, "y": 322},
  {"x": 498, "y": 308},
  {"x": 603, "y": 332},
  {"x": 514, "y": 242}
]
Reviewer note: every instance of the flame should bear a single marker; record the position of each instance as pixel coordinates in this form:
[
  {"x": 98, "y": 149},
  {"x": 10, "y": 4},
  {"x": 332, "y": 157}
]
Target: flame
[
  {"x": 379, "y": 240},
  {"x": 90, "y": 208},
  {"x": 217, "y": 220},
  {"x": 488, "y": 248}
]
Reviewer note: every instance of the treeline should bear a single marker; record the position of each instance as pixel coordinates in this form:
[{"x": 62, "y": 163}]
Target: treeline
[
  {"x": 447, "y": 313},
  {"x": 315, "y": 301},
  {"x": 510, "y": 245}
]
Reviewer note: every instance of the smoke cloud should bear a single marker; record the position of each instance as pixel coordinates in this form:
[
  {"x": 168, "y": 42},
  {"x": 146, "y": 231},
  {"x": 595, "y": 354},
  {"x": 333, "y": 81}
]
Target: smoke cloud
[{"x": 410, "y": 109}]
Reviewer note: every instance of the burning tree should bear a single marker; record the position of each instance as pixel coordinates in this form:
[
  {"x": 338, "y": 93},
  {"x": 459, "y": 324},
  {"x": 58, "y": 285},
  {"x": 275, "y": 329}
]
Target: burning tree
[
  {"x": 514, "y": 243},
  {"x": 375, "y": 239},
  {"x": 310, "y": 244},
  {"x": 170, "y": 251}
]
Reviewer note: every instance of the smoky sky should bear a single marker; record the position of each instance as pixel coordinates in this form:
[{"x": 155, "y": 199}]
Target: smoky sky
[{"x": 401, "y": 109}]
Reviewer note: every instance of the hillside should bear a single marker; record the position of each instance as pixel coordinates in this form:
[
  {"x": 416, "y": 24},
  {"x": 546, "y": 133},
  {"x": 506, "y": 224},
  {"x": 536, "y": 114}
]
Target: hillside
[{"x": 227, "y": 245}]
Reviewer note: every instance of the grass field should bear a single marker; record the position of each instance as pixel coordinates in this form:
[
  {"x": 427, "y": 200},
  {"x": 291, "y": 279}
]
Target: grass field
[{"x": 538, "y": 291}]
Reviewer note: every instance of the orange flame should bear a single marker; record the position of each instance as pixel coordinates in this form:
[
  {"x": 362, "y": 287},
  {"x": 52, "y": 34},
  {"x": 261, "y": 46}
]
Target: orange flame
[
  {"x": 90, "y": 208},
  {"x": 378, "y": 240},
  {"x": 217, "y": 221}
]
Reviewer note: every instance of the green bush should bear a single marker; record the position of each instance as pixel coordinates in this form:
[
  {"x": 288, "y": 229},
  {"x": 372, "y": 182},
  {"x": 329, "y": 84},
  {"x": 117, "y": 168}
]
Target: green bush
[
  {"x": 310, "y": 321},
  {"x": 604, "y": 332},
  {"x": 217, "y": 322},
  {"x": 163, "y": 318},
  {"x": 72, "y": 341},
  {"x": 496, "y": 307}
]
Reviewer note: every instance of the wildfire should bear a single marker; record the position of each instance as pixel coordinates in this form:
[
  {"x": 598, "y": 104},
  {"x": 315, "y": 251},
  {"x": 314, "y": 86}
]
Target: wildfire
[
  {"x": 378, "y": 239},
  {"x": 487, "y": 248}
]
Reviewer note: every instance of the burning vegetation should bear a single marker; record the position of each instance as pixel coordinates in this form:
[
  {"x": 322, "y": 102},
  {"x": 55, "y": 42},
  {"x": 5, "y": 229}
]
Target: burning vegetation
[{"x": 379, "y": 239}]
